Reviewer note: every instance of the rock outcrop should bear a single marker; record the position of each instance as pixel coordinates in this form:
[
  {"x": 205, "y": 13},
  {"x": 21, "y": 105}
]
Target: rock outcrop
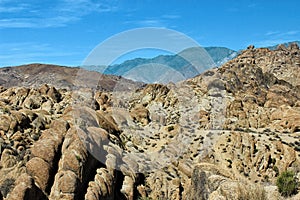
[{"x": 225, "y": 134}]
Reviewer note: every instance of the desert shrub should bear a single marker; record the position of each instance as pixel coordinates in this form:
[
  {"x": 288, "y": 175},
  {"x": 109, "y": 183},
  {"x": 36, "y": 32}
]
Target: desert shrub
[
  {"x": 6, "y": 186},
  {"x": 170, "y": 128},
  {"x": 276, "y": 170},
  {"x": 287, "y": 183},
  {"x": 246, "y": 191},
  {"x": 251, "y": 192}
]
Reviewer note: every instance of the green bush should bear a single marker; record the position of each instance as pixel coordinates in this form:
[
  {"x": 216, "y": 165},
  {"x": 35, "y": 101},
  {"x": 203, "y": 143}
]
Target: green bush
[{"x": 287, "y": 183}]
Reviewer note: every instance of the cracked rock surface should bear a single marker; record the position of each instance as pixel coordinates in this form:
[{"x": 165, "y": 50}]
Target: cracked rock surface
[{"x": 224, "y": 134}]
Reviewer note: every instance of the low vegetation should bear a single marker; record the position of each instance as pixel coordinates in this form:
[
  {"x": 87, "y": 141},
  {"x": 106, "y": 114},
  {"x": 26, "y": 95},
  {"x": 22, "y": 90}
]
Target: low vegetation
[
  {"x": 287, "y": 183},
  {"x": 251, "y": 192}
]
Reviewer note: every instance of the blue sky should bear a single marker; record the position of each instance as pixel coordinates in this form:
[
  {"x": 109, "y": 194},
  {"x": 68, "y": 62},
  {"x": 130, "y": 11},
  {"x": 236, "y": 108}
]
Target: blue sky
[{"x": 65, "y": 31}]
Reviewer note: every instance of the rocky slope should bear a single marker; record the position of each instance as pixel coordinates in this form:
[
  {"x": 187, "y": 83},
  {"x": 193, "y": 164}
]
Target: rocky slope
[
  {"x": 36, "y": 75},
  {"x": 225, "y": 134}
]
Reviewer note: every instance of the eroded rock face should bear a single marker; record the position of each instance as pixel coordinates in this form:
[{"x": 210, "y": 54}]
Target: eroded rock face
[
  {"x": 26, "y": 189},
  {"x": 224, "y": 134}
]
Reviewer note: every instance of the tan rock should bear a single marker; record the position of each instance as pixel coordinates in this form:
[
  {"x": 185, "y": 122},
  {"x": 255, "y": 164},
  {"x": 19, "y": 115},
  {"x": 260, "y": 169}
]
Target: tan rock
[
  {"x": 68, "y": 182},
  {"x": 40, "y": 171},
  {"x": 127, "y": 187},
  {"x": 25, "y": 189},
  {"x": 54, "y": 94},
  {"x": 5, "y": 122},
  {"x": 8, "y": 159},
  {"x": 141, "y": 115},
  {"x": 65, "y": 185},
  {"x": 44, "y": 149}
]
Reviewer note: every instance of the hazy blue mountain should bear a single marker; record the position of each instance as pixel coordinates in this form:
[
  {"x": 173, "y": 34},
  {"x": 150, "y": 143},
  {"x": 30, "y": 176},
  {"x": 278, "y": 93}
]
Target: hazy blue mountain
[
  {"x": 169, "y": 68},
  {"x": 186, "y": 64},
  {"x": 220, "y": 55}
]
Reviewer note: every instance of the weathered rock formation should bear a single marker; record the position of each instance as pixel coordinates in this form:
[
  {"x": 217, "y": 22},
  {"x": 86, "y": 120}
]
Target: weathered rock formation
[{"x": 225, "y": 134}]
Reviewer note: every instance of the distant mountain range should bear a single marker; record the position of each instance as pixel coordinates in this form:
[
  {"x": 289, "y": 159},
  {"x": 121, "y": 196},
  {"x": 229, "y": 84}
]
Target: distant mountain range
[
  {"x": 186, "y": 64},
  {"x": 165, "y": 68}
]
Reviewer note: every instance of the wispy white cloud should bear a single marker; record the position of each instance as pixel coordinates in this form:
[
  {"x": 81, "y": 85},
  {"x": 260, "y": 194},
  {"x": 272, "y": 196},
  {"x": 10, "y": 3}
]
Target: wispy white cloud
[
  {"x": 23, "y": 46},
  {"x": 239, "y": 7},
  {"x": 149, "y": 22},
  {"x": 29, "y": 52},
  {"x": 162, "y": 21},
  {"x": 271, "y": 42},
  {"x": 58, "y": 21},
  {"x": 291, "y": 33},
  {"x": 272, "y": 38},
  {"x": 82, "y": 7},
  {"x": 13, "y": 9},
  {"x": 281, "y": 34},
  {"x": 15, "y": 23},
  {"x": 56, "y": 14},
  {"x": 269, "y": 33}
]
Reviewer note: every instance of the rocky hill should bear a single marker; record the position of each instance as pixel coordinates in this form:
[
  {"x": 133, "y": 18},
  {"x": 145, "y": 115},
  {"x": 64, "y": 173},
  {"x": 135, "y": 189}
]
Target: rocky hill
[
  {"x": 225, "y": 134},
  {"x": 36, "y": 75},
  {"x": 284, "y": 44}
]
